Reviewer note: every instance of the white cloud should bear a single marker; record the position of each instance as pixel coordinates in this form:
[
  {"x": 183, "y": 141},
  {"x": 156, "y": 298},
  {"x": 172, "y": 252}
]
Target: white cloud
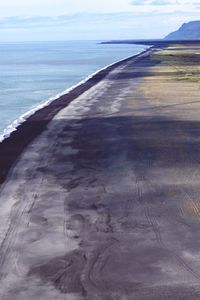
[
  {"x": 104, "y": 26},
  {"x": 151, "y": 2},
  {"x": 58, "y": 7},
  {"x": 165, "y": 2},
  {"x": 165, "y": 6}
]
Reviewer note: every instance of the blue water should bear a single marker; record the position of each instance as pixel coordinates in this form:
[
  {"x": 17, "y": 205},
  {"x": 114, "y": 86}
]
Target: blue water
[{"x": 30, "y": 73}]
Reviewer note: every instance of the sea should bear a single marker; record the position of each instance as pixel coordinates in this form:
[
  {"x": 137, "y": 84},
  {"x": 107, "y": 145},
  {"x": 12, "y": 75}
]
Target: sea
[{"x": 35, "y": 73}]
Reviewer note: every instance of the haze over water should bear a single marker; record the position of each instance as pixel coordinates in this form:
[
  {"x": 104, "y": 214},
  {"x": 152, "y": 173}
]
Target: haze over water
[{"x": 31, "y": 73}]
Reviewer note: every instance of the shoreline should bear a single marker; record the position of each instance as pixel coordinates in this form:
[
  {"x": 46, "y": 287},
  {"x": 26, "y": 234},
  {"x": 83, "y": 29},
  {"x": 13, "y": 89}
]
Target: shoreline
[
  {"x": 31, "y": 127},
  {"x": 154, "y": 43},
  {"x": 13, "y": 126}
]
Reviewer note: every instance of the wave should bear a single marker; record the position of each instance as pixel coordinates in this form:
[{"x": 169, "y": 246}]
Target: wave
[{"x": 15, "y": 124}]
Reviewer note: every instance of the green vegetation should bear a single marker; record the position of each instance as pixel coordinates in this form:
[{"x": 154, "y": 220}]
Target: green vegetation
[{"x": 183, "y": 64}]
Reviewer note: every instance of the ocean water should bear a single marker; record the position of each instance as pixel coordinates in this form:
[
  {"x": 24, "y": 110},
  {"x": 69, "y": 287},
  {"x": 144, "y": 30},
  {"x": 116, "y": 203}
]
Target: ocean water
[{"x": 32, "y": 73}]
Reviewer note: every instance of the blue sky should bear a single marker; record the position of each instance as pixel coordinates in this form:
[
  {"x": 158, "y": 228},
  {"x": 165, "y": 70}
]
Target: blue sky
[{"x": 25, "y": 20}]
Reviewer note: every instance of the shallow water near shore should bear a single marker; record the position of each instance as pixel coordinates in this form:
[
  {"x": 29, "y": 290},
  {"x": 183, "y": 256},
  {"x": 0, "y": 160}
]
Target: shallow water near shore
[{"x": 32, "y": 73}]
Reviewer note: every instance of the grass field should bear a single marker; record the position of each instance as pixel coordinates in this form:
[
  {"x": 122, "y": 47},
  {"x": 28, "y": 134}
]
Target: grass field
[{"x": 184, "y": 62}]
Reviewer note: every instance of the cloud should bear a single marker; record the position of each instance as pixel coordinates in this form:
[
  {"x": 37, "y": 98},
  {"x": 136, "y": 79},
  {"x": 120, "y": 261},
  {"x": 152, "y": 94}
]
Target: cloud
[
  {"x": 49, "y": 8},
  {"x": 139, "y": 2},
  {"x": 21, "y": 22},
  {"x": 151, "y": 2},
  {"x": 86, "y": 19},
  {"x": 160, "y": 2},
  {"x": 58, "y": 7},
  {"x": 107, "y": 26},
  {"x": 172, "y": 3},
  {"x": 48, "y": 21},
  {"x": 120, "y": 19}
]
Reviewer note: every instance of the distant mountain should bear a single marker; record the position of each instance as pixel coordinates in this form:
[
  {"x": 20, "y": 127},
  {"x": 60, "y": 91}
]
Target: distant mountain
[{"x": 188, "y": 31}]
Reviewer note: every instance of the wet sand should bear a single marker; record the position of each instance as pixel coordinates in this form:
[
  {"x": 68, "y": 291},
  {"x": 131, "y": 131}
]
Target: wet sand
[{"x": 104, "y": 203}]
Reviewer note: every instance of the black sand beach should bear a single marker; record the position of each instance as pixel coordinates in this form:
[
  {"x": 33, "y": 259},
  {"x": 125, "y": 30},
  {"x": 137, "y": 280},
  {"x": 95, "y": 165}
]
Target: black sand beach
[
  {"x": 103, "y": 201},
  {"x": 13, "y": 146}
]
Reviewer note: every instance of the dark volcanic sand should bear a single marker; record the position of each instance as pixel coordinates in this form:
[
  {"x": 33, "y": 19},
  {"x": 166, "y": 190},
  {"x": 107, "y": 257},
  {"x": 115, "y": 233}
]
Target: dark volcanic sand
[
  {"x": 12, "y": 147},
  {"x": 104, "y": 204}
]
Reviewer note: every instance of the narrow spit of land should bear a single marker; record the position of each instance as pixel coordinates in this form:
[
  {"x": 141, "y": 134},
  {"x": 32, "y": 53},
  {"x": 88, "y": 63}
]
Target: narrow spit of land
[{"x": 104, "y": 204}]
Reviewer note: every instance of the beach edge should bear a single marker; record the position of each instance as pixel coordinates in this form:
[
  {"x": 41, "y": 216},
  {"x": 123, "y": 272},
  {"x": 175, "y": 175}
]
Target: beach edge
[{"x": 12, "y": 146}]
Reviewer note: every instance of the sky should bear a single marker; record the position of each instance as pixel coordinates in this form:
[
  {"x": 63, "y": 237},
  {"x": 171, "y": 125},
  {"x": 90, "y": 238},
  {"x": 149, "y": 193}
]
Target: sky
[{"x": 51, "y": 20}]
